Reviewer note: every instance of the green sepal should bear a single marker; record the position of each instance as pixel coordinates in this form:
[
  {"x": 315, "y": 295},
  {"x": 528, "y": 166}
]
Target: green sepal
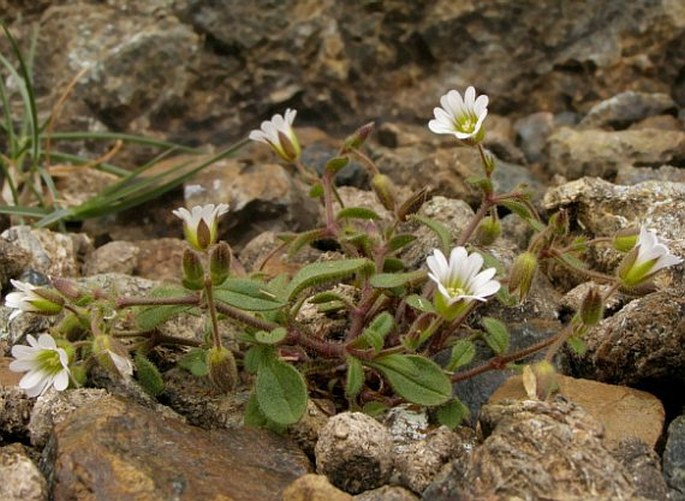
[
  {"x": 414, "y": 378},
  {"x": 336, "y": 164},
  {"x": 148, "y": 375}
]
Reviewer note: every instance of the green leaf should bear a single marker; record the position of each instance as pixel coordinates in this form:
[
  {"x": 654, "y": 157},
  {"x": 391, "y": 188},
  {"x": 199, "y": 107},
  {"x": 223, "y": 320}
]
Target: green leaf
[
  {"x": 327, "y": 297},
  {"x": 496, "y": 335},
  {"x": 442, "y": 232},
  {"x": 281, "y": 392},
  {"x": 379, "y": 327},
  {"x": 572, "y": 261},
  {"x": 483, "y": 183},
  {"x": 334, "y": 165},
  {"x": 415, "y": 378},
  {"x": 399, "y": 241},
  {"x": 391, "y": 280},
  {"x": 374, "y": 408},
  {"x": 245, "y": 294},
  {"x": 452, "y": 413},
  {"x": 195, "y": 362},
  {"x": 577, "y": 345},
  {"x": 392, "y": 265},
  {"x": 275, "y": 336},
  {"x": 148, "y": 375},
  {"x": 254, "y": 417},
  {"x": 420, "y": 303},
  {"x": 329, "y": 271},
  {"x": 357, "y": 213},
  {"x": 463, "y": 352},
  {"x": 521, "y": 210},
  {"x": 355, "y": 378},
  {"x": 316, "y": 191},
  {"x": 303, "y": 239},
  {"x": 256, "y": 356},
  {"x": 150, "y": 317}
]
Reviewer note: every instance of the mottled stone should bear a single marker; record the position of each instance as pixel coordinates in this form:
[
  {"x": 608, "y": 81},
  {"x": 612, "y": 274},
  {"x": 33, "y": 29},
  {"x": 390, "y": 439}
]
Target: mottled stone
[
  {"x": 21, "y": 478},
  {"x": 118, "y": 450},
  {"x": 643, "y": 466},
  {"x": 13, "y": 260},
  {"x": 15, "y": 406},
  {"x": 578, "y": 153},
  {"x": 542, "y": 450},
  {"x": 312, "y": 487},
  {"x": 640, "y": 345},
  {"x": 532, "y": 132},
  {"x": 387, "y": 493},
  {"x": 306, "y": 431},
  {"x": 419, "y": 462},
  {"x": 355, "y": 452},
  {"x": 674, "y": 458},
  {"x": 624, "y": 412},
  {"x": 115, "y": 257},
  {"x": 160, "y": 259},
  {"x": 625, "y": 108}
]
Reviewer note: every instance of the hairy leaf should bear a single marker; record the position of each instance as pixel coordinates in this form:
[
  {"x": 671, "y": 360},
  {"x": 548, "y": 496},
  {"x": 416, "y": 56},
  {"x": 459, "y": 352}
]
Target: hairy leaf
[
  {"x": 391, "y": 280},
  {"x": 319, "y": 273},
  {"x": 496, "y": 335},
  {"x": 281, "y": 392},
  {"x": 246, "y": 294},
  {"x": 149, "y": 317},
  {"x": 375, "y": 333},
  {"x": 420, "y": 303},
  {"x": 275, "y": 336},
  {"x": 195, "y": 362},
  {"x": 357, "y": 213},
  {"x": 463, "y": 352},
  {"x": 148, "y": 375},
  {"x": 442, "y": 232},
  {"x": 415, "y": 378},
  {"x": 452, "y": 413},
  {"x": 355, "y": 378}
]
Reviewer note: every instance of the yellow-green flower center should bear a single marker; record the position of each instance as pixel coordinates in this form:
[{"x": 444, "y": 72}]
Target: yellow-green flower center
[
  {"x": 466, "y": 123},
  {"x": 49, "y": 361},
  {"x": 455, "y": 291}
]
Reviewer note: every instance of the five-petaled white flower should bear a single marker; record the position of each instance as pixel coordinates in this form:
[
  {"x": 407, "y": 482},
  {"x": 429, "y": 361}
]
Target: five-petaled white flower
[
  {"x": 462, "y": 118},
  {"x": 460, "y": 281},
  {"x": 279, "y": 134},
  {"x": 44, "y": 363},
  {"x": 200, "y": 224},
  {"x": 32, "y": 298},
  {"x": 647, "y": 258}
]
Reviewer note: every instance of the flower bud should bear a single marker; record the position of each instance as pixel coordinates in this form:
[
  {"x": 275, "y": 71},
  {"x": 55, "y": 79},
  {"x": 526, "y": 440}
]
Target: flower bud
[
  {"x": 645, "y": 259},
  {"x": 559, "y": 223},
  {"x": 522, "y": 274},
  {"x": 223, "y": 372},
  {"x": 358, "y": 138},
  {"x": 220, "y": 263},
  {"x": 289, "y": 147},
  {"x": 624, "y": 240},
  {"x": 592, "y": 307},
  {"x": 193, "y": 271},
  {"x": 412, "y": 204},
  {"x": 112, "y": 356},
  {"x": 67, "y": 288},
  {"x": 78, "y": 373},
  {"x": 382, "y": 186},
  {"x": 488, "y": 230}
]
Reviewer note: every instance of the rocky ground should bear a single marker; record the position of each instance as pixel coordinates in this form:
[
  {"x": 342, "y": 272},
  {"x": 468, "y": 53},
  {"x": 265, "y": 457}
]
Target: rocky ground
[{"x": 587, "y": 108}]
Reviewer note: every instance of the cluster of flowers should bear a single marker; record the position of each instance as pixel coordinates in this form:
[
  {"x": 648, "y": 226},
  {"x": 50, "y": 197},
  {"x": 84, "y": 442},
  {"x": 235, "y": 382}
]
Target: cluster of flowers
[{"x": 459, "y": 281}]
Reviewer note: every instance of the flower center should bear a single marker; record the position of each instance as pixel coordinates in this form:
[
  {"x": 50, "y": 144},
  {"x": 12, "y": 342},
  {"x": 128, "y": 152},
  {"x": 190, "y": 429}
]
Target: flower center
[
  {"x": 456, "y": 291},
  {"x": 466, "y": 122},
  {"x": 49, "y": 361}
]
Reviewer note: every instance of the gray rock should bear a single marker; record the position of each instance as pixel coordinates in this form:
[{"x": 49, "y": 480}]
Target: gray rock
[
  {"x": 15, "y": 406},
  {"x": 355, "y": 452},
  {"x": 538, "y": 450},
  {"x": 644, "y": 468},
  {"x": 624, "y": 109},
  {"x": 21, "y": 478},
  {"x": 577, "y": 153},
  {"x": 387, "y": 493},
  {"x": 532, "y": 132},
  {"x": 674, "y": 458}
]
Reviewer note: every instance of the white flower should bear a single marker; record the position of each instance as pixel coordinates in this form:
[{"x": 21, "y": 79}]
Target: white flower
[
  {"x": 200, "y": 224},
  {"x": 647, "y": 257},
  {"x": 461, "y": 278},
  {"x": 279, "y": 134},
  {"x": 462, "y": 118},
  {"x": 47, "y": 365},
  {"x": 32, "y": 298}
]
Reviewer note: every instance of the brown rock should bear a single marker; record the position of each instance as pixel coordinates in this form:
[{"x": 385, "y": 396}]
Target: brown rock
[
  {"x": 21, "y": 478},
  {"x": 118, "y": 450},
  {"x": 115, "y": 257},
  {"x": 160, "y": 259},
  {"x": 15, "y": 406},
  {"x": 387, "y": 493},
  {"x": 626, "y": 108},
  {"x": 312, "y": 487},
  {"x": 624, "y": 412}
]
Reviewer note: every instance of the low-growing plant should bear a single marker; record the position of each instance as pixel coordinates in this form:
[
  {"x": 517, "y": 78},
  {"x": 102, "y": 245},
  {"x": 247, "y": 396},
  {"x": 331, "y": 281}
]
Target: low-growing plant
[{"x": 380, "y": 323}]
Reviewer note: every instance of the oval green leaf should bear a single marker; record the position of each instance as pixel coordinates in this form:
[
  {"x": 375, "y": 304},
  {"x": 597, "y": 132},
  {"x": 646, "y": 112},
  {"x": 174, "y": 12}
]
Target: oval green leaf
[{"x": 281, "y": 392}]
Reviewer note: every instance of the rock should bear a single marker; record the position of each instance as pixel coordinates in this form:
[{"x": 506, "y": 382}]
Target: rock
[
  {"x": 261, "y": 197},
  {"x": 626, "y": 108},
  {"x": 572, "y": 300},
  {"x": 641, "y": 345},
  {"x": 577, "y": 153},
  {"x": 312, "y": 487},
  {"x": 355, "y": 452},
  {"x": 624, "y": 412},
  {"x": 541, "y": 450},
  {"x": 15, "y": 406},
  {"x": 674, "y": 458},
  {"x": 407, "y": 425},
  {"x": 387, "y": 493},
  {"x": 13, "y": 260},
  {"x": 627, "y": 174},
  {"x": 117, "y": 257},
  {"x": 51, "y": 253},
  {"x": 532, "y": 132},
  {"x": 663, "y": 122},
  {"x": 419, "y": 462},
  {"x": 644, "y": 468},
  {"x": 160, "y": 259},
  {"x": 118, "y": 450},
  {"x": 54, "y": 407},
  {"x": 21, "y": 478},
  {"x": 126, "y": 55},
  {"x": 306, "y": 431}
]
